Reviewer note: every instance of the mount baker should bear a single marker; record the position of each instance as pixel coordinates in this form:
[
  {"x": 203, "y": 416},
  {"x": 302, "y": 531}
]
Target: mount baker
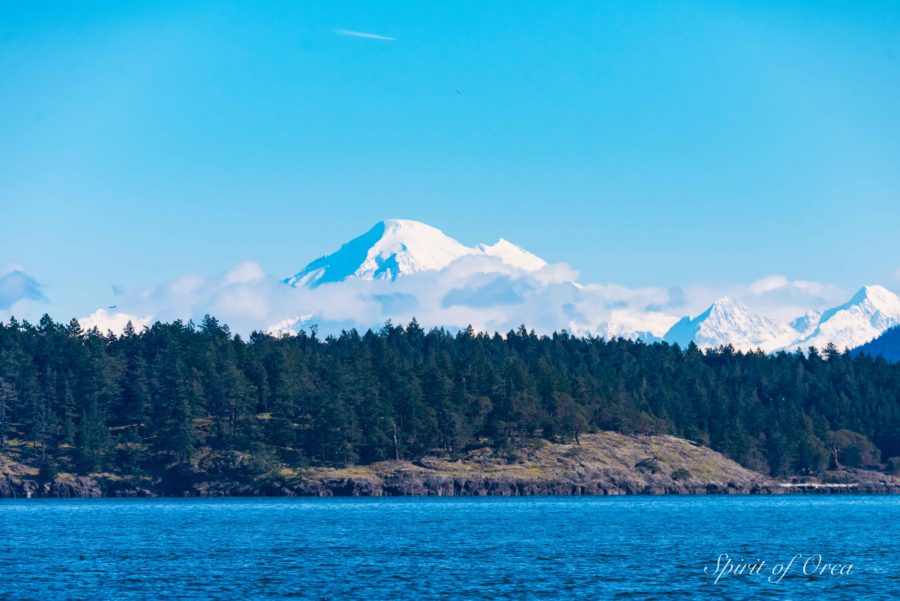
[{"x": 396, "y": 248}]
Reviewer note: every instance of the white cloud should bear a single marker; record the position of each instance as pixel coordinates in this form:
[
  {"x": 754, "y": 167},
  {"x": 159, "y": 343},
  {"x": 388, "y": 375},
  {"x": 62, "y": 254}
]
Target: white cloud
[
  {"x": 363, "y": 34},
  {"x": 288, "y": 325},
  {"x": 240, "y": 302},
  {"x": 482, "y": 291},
  {"x": 244, "y": 273},
  {"x": 768, "y": 283},
  {"x": 478, "y": 290},
  {"x": 113, "y": 321},
  {"x": 795, "y": 298},
  {"x": 772, "y": 296},
  {"x": 656, "y": 322}
]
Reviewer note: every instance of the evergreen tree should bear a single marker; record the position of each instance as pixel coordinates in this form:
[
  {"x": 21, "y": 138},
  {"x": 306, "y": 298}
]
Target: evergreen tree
[{"x": 175, "y": 398}]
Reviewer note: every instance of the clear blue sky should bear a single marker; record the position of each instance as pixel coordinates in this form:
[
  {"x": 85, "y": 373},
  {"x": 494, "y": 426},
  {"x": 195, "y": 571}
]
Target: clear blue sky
[{"x": 655, "y": 143}]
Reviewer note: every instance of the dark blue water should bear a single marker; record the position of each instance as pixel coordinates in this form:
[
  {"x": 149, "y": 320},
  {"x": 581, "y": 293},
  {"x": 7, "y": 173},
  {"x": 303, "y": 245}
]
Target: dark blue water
[{"x": 421, "y": 548}]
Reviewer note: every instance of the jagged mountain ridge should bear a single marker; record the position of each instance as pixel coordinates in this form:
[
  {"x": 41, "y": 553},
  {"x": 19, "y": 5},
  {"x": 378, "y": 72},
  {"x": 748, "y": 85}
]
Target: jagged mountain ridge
[
  {"x": 871, "y": 311},
  {"x": 728, "y": 321}
]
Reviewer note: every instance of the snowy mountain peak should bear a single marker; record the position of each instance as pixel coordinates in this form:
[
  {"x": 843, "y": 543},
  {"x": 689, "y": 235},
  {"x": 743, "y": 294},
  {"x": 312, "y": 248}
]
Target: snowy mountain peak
[
  {"x": 513, "y": 255},
  {"x": 871, "y": 311},
  {"x": 728, "y": 321},
  {"x": 878, "y": 296},
  {"x": 726, "y": 303},
  {"x": 726, "y": 310},
  {"x": 400, "y": 247}
]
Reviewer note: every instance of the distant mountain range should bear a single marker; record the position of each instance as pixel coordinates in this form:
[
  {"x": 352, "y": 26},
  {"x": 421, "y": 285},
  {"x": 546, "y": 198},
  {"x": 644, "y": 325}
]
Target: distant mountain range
[
  {"x": 399, "y": 248},
  {"x": 871, "y": 311}
]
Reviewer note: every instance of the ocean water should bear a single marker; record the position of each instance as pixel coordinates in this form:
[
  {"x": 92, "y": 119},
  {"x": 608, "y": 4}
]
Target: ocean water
[{"x": 451, "y": 548}]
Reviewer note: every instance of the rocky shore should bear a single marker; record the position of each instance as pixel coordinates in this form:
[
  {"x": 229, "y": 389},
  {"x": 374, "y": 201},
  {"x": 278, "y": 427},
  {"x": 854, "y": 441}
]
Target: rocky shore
[{"x": 605, "y": 463}]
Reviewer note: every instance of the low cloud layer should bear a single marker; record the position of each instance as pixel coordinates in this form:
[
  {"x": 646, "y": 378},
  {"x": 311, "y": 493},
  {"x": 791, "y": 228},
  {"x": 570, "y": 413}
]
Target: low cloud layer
[{"x": 481, "y": 291}]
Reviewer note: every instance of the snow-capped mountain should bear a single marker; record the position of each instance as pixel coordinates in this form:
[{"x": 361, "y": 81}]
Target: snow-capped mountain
[
  {"x": 864, "y": 317},
  {"x": 728, "y": 321},
  {"x": 870, "y": 312},
  {"x": 512, "y": 255},
  {"x": 399, "y": 247}
]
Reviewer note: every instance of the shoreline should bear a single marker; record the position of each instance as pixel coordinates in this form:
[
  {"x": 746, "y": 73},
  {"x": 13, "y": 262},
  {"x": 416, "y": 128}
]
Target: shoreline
[
  {"x": 781, "y": 490},
  {"x": 604, "y": 464}
]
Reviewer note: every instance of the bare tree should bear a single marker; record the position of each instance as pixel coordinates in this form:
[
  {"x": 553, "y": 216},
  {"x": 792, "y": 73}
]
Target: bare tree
[{"x": 396, "y": 442}]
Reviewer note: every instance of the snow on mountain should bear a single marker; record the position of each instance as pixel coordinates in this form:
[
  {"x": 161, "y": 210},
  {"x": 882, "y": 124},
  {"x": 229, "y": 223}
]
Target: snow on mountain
[
  {"x": 613, "y": 330},
  {"x": 864, "y": 317},
  {"x": 728, "y": 321},
  {"x": 806, "y": 323},
  {"x": 870, "y": 312},
  {"x": 399, "y": 247},
  {"x": 512, "y": 255}
]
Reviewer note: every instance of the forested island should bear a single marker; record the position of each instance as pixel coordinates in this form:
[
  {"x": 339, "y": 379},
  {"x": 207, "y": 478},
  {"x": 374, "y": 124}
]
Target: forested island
[{"x": 184, "y": 408}]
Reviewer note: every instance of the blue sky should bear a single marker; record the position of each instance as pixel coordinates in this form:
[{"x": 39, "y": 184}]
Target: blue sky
[{"x": 657, "y": 143}]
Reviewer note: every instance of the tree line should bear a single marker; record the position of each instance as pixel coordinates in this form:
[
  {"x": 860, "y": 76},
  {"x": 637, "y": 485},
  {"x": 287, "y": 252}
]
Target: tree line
[{"x": 197, "y": 397}]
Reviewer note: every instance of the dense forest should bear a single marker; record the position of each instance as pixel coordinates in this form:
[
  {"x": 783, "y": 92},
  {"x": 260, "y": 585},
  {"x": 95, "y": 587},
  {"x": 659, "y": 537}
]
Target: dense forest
[{"x": 171, "y": 397}]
